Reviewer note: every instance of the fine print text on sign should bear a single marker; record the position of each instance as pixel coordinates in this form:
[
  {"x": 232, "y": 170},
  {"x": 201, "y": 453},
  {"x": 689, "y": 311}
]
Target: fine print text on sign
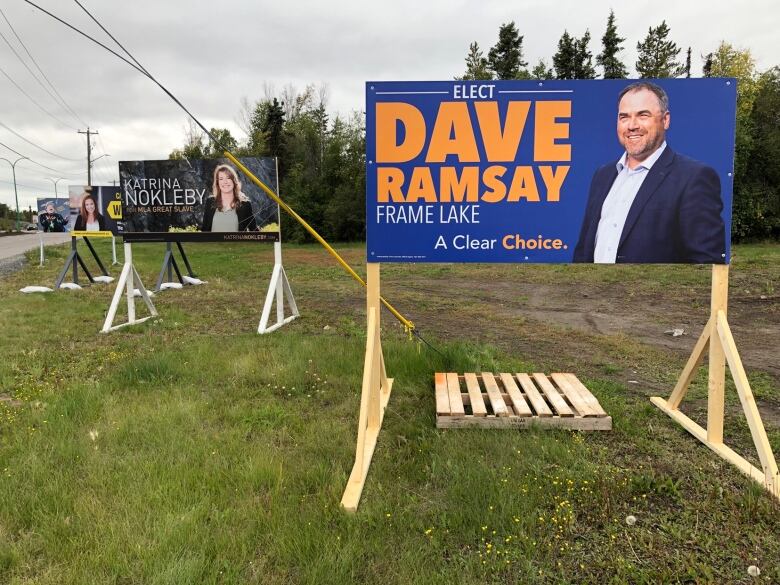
[{"x": 556, "y": 171}]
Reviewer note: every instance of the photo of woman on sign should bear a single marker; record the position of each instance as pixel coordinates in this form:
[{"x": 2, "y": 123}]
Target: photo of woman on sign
[
  {"x": 89, "y": 219},
  {"x": 227, "y": 209}
]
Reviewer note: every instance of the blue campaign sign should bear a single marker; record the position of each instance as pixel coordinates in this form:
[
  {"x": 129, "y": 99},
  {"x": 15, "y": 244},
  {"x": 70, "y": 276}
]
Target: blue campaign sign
[{"x": 550, "y": 171}]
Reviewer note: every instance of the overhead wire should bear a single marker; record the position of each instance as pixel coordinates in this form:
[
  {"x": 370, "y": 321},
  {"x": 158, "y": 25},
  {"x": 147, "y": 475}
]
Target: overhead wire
[
  {"x": 30, "y": 142},
  {"x": 107, "y": 167},
  {"x": 29, "y": 97},
  {"x": 408, "y": 325},
  {"x": 32, "y": 187},
  {"x": 38, "y": 67},
  {"x": 30, "y": 71},
  {"x": 16, "y": 152}
]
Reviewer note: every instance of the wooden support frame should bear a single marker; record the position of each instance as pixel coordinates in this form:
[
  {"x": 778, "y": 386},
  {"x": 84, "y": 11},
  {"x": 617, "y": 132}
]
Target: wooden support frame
[
  {"x": 374, "y": 397},
  {"x": 129, "y": 280},
  {"x": 723, "y": 350}
]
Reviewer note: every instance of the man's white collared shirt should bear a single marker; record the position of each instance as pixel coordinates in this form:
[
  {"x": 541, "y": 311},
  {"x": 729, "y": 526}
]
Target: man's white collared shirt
[{"x": 616, "y": 206}]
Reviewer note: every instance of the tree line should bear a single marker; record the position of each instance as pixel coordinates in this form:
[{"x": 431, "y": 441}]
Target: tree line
[
  {"x": 322, "y": 171},
  {"x": 322, "y": 160}
]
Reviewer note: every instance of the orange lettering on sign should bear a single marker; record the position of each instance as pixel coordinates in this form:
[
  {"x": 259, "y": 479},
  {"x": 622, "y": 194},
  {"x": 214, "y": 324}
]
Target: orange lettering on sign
[
  {"x": 389, "y": 181},
  {"x": 492, "y": 179},
  {"x": 548, "y": 129},
  {"x": 553, "y": 180},
  {"x": 421, "y": 186},
  {"x": 453, "y": 134},
  {"x": 454, "y": 189},
  {"x": 523, "y": 185},
  {"x": 501, "y": 144},
  {"x": 388, "y": 115}
]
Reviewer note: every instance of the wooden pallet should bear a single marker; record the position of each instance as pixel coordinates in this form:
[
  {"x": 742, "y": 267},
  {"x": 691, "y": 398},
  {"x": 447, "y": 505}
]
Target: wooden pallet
[{"x": 517, "y": 400}]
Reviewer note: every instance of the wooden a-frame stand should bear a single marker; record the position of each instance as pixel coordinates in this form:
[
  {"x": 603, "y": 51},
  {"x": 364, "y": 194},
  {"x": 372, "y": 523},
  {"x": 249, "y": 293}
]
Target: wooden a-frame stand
[
  {"x": 374, "y": 395},
  {"x": 129, "y": 280},
  {"x": 722, "y": 349}
]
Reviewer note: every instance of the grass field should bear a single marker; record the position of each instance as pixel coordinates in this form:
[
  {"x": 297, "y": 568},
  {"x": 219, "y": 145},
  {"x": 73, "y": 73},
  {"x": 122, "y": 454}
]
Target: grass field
[{"x": 189, "y": 449}]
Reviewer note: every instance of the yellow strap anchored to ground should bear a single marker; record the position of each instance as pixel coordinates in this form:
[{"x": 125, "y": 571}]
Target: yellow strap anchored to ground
[{"x": 408, "y": 325}]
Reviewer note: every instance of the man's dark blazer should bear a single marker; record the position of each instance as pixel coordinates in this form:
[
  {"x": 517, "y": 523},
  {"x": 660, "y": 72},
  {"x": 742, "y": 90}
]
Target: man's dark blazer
[
  {"x": 675, "y": 216},
  {"x": 246, "y": 217}
]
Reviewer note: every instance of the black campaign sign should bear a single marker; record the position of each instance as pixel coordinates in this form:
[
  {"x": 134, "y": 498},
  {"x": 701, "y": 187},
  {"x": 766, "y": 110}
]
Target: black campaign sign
[{"x": 198, "y": 200}]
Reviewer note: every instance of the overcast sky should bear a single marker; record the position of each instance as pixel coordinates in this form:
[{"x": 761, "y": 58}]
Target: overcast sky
[{"x": 211, "y": 57}]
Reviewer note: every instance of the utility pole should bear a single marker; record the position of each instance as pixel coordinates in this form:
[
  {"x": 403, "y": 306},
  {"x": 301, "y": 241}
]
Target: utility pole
[{"x": 89, "y": 153}]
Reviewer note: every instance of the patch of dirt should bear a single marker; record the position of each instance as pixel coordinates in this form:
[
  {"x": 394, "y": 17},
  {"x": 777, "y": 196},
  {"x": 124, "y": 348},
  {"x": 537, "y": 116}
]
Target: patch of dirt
[
  {"x": 608, "y": 310},
  {"x": 602, "y": 328}
]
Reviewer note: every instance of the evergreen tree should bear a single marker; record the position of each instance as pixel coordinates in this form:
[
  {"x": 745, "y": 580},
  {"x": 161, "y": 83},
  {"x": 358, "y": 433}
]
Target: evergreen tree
[
  {"x": 542, "y": 71},
  {"x": 573, "y": 59},
  {"x": 657, "y": 55},
  {"x": 505, "y": 58},
  {"x": 273, "y": 126},
  {"x": 564, "y": 58},
  {"x": 476, "y": 65},
  {"x": 611, "y": 43},
  {"x": 706, "y": 69},
  {"x": 583, "y": 58},
  {"x": 688, "y": 64}
]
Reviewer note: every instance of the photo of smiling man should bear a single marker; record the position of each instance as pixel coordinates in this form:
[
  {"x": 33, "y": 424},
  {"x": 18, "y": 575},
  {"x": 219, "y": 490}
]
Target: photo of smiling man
[{"x": 652, "y": 205}]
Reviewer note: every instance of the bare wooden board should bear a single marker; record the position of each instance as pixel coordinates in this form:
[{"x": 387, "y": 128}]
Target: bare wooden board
[
  {"x": 442, "y": 397},
  {"x": 533, "y": 396},
  {"x": 577, "y": 401},
  {"x": 453, "y": 391},
  {"x": 556, "y": 400},
  {"x": 496, "y": 401},
  {"x": 501, "y": 403},
  {"x": 518, "y": 402},
  {"x": 475, "y": 395},
  {"x": 579, "y": 423}
]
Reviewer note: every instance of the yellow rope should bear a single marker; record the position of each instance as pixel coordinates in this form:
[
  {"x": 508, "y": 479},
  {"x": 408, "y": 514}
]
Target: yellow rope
[{"x": 408, "y": 325}]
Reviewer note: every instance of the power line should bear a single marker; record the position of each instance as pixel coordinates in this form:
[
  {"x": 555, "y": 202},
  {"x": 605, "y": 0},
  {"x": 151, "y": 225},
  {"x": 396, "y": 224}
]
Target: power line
[
  {"x": 30, "y": 71},
  {"x": 141, "y": 70},
  {"x": 37, "y": 146},
  {"x": 40, "y": 107},
  {"x": 38, "y": 67},
  {"x": 111, "y": 171},
  {"x": 35, "y": 188},
  {"x": 137, "y": 66},
  {"x": 36, "y": 162}
]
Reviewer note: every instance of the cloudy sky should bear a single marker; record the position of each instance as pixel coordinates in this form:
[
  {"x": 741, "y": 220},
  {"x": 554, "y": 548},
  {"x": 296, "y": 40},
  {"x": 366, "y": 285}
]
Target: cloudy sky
[{"x": 213, "y": 56}]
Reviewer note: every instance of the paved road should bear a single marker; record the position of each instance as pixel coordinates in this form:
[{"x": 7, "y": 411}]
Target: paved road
[{"x": 11, "y": 246}]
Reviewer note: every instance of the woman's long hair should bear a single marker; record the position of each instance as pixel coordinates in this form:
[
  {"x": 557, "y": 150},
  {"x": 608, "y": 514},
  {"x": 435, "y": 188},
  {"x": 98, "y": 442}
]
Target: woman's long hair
[
  {"x": 84, "y": 213},
  {"x": 238, "y": 195}
]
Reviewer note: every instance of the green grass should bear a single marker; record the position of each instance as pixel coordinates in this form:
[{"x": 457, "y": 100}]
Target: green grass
[{"x": 191, "y": 450}]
